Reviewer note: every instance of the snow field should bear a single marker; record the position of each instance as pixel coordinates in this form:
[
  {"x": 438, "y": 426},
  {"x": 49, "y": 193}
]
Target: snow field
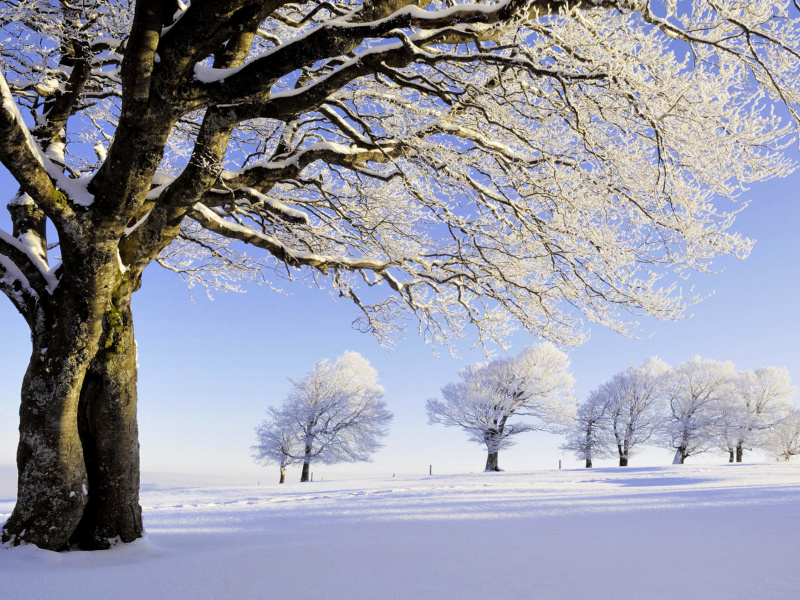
[{"x": 688, "y": 532}]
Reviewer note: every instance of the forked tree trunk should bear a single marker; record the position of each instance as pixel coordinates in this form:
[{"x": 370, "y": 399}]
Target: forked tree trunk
[
  {"x": 283, "y": 474},
  {"x": 491, "y": 462},
  {"x": 77, "y": 458},
  {"x": 623, "y": 460},
  {"x": 109, "y": 433},
  {"x": 680, "y": 456},
  {"x": 52, "y": 486}
]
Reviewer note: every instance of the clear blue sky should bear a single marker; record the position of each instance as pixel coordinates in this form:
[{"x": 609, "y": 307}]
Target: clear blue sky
[{"x": 209, "y": 369}]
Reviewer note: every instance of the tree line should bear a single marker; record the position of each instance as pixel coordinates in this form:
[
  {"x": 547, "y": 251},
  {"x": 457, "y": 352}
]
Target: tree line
[
  {"x": 336, "y": 413},
  {"x": 698, "y": 406}
]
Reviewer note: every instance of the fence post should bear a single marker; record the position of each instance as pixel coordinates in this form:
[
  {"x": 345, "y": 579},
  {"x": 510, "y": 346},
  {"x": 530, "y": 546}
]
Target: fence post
[
  {"x": 559, "y": 464},
  {"x": 430, "y": 470}
]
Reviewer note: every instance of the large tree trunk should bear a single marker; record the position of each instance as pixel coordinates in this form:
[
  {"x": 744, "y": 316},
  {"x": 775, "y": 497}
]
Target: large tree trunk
[
  {"x": 109, "y": 433},
  {"x": 52, "y": 486},
  {"x": 680, "y": 457},
  {"x": 491, "y": 462},
  {"x": 306, "y": 470},
  {"x": 77, "y": 458},
  {"x": 730, "y": 455},
  {"x": 283, "y": 474},
  {"x": 588, "y": 463},
  {"x": 739, "y": 451}
]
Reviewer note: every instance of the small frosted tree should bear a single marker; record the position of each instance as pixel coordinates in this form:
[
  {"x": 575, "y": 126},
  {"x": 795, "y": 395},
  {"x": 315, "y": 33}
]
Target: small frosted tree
[
  {"x": 337, "y": 412},
  {"x": 534, "y": 385},
  {"x": 633, "y": 406},
  {"x": 730, "y": 423},
  {"x": 587, "y": 438},
  {"x": 783, "y": 439},
  {"x": 766, "y": 399},
  {"x": 276, "y": 441},
  {"x": 692, "y": 392}
]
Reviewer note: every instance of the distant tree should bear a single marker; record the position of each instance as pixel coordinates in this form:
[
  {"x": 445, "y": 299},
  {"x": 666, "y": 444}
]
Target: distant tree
[
  {"x": 783, "y": 438},
  {"x": 633, "y": 406},
  {"x": 587, "y": 438},
  {"x": 766, "y": 399},
  {"x": 534, "y": 384},
  {"x": 692, "y": 392},
  {"x": 336, "y": 412},
  {"x": 730, "y": 422},
  {"x": 276, "y": 441}
]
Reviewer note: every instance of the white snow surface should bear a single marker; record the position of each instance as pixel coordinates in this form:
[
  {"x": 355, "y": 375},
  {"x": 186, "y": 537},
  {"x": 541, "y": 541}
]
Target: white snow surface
[{"x": 727, "y": 532}]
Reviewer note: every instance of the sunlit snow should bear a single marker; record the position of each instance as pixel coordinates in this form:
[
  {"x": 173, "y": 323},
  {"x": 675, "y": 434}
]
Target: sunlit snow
[{"x": 727, "y": 532}]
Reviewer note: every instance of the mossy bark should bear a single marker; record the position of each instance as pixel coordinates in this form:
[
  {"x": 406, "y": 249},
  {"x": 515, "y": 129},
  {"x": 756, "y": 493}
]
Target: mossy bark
[
  {"x": 78, "y": 454},
  {"x": 109, "y": 433}
]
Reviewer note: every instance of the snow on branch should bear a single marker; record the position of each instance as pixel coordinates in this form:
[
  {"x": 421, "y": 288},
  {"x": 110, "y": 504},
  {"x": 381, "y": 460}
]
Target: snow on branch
[{"x": 213, "y": 222}]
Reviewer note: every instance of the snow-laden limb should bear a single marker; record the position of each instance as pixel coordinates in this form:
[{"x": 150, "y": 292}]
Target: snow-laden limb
[
  {"x": 533, "y": 386},
  {"x": 334, "y": 414},
  {"x": 23, "y": 158},
  {"x": 16, "y": 287},
  {"x": 213, "y": 222}
]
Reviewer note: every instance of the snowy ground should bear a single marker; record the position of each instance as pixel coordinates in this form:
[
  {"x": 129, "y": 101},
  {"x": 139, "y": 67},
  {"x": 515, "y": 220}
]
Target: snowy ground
[{"x": 690, "y": 532}]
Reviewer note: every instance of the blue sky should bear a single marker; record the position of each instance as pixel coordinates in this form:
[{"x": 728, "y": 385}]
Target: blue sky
[{"x": 208, "y": 370}]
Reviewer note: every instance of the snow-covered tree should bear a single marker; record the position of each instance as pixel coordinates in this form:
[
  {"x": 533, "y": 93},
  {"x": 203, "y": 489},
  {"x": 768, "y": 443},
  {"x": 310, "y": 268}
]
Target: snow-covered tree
[
  {"x": 633, "y": 406},
  {"x": 766, "y": 397},
  {"x": 783, "y": 438},
  {"x": 498, "y": 163},
  {"x": 730, "y": 422},
  {"x": 693, "y": 392},
  {"x": 588, "y": 438},
  {"x": 336, "y": 413},
  {"x": 534, "y": 386},
  {"x": 277, "y": 441}
]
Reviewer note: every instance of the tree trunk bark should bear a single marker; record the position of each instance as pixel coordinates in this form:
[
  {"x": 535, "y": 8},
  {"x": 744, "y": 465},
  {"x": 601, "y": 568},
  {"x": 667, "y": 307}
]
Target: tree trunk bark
[
  {"x": 680, "y": 457},
  {"x": 109, "y": 433},
  {"x": 283, "y": 474},
  {"x": 52, "y": 486},
  {"x": 304, "y": 474},
  {"x": 588, "y": 463},
  {"x": 71, "y": 474},
  {"x": 491, "y": 462},
  {"x": 730, "y": 455},
  {"x": 739, "y": 452},
  {"x": 623, "y": 460}
]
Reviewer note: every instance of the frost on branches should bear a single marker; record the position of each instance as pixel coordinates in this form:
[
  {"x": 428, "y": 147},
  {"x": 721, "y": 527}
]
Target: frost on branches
[
  {"x": 334, "y": 414},
  {"x": 783, "y": 439},
  {"x": 276, "y": 442},
  {"x": 533, "y": 386},
  {"x": 481, "y": 165},
  {"x": 621, "y": 414},
  {"x": 588, "y": 437}
]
